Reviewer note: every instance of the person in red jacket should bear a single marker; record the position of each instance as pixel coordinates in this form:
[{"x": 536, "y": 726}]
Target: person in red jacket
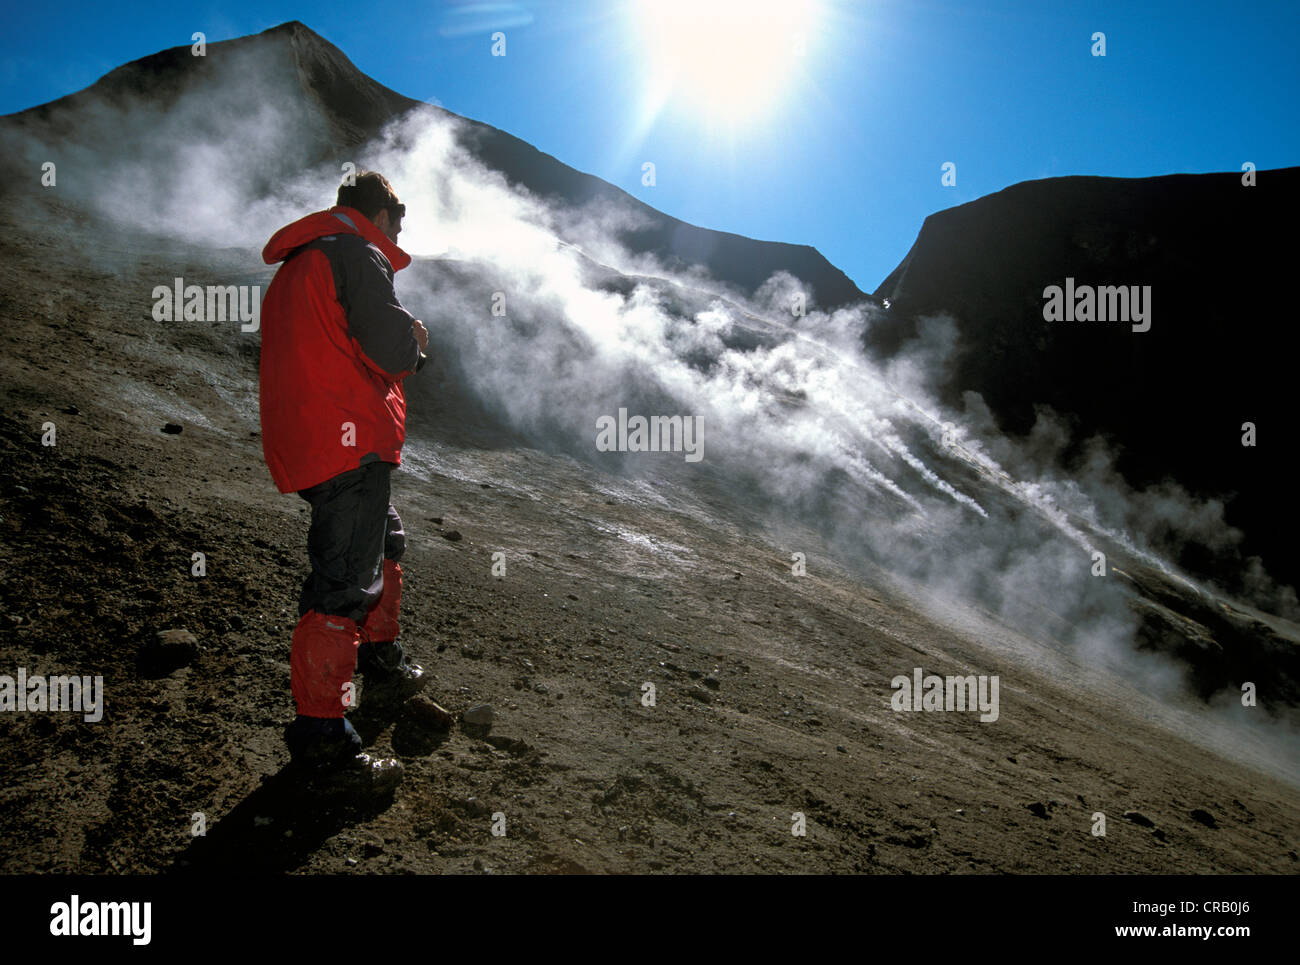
[{"x": 336, "y": 345}]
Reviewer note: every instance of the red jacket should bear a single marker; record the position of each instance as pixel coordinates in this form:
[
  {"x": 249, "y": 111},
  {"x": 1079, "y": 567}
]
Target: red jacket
[{"x": 336, "y": 345}]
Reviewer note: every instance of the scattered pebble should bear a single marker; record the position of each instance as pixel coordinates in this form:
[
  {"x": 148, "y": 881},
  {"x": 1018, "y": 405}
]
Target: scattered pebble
[
  {"x": 428, "y": 712},
  {"x": 1137, "y": 817},
  {"x": 168, "y": 651},
  {"x": 480, "y": 715}
]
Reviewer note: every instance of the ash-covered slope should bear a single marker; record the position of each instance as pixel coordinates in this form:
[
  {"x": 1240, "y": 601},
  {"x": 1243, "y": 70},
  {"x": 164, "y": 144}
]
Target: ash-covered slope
[
  {"x": 774, "y": 690},
  {"x": 1174, "y": 398},
  {"x": 335, "y": 108}
]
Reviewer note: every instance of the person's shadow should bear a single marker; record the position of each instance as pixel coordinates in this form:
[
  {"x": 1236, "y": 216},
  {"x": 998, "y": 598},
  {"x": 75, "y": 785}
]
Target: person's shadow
[{"x": 282, "y": 823}]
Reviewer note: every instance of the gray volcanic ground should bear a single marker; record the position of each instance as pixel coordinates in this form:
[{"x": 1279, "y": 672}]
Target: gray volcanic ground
[{"x": 843, "y": 528}]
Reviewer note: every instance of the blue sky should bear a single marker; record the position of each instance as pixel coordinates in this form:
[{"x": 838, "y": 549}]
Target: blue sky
[{"x": 842, "y": 148}]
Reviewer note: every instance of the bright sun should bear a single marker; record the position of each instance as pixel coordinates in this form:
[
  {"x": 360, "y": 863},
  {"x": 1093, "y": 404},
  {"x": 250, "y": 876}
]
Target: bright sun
[{"x": 730, "y": 59}]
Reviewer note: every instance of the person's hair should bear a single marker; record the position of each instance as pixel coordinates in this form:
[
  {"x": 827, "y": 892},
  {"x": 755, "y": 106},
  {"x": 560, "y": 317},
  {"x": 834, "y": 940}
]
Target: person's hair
[{"x": 370, "y": 194}]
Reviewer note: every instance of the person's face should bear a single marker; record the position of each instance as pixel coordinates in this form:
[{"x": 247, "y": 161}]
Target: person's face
[{"x": 389, "y": 222}]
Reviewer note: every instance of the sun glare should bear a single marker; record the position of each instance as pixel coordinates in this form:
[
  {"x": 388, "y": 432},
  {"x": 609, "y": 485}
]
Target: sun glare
[{"x": 729, "y": 59}]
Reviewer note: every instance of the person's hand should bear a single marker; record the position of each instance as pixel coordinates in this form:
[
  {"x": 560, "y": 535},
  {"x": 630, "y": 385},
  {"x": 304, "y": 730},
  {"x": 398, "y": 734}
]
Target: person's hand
[{"x": 421, "y": 334}]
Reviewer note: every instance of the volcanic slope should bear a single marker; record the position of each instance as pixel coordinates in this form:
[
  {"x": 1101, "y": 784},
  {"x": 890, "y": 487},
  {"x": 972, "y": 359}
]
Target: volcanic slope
[{"x": 772, "y": 691}]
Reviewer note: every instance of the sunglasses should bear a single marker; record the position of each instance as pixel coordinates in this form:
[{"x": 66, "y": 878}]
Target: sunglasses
[{"x": 396, "y": 211}]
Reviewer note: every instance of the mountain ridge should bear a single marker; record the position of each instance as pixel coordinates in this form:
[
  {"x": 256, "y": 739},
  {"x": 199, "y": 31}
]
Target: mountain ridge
[
  {"x": 1206, "y": 245},
  {"x": 353, "y": 108}
]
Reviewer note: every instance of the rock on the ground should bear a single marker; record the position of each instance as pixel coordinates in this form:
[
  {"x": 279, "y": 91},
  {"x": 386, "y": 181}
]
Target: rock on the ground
[
  {"x": 428, "y": 712},
  {"x": 1138, "y": 818},
  {"x": 480, "y": 715},
  {"x": 167, "y": 651},
  {"x": 1204, "y": 817}
]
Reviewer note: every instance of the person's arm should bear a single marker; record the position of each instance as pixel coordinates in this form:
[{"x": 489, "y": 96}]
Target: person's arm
[
  {"x": 384, "y": 330},
  {"x": 422, "y": 341}
]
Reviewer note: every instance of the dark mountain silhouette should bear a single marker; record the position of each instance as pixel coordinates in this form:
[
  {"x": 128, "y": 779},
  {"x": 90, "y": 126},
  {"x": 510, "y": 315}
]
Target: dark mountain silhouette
[
  {"x": 1174, "y": 398},
  {"x": 351, "y": 108}
]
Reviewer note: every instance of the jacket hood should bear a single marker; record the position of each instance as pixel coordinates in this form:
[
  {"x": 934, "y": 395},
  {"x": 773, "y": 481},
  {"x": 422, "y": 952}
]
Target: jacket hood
[{"x": 321, "y": 223}]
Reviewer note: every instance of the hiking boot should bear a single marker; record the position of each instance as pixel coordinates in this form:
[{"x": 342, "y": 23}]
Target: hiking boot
[
  {"x": 395, "y": 686},
  {"x": 321, "y": 741},
  {"x": 363, "y": 774},
  {"x": 327, "y": 754},
  {"x": 389, "y": 678}
]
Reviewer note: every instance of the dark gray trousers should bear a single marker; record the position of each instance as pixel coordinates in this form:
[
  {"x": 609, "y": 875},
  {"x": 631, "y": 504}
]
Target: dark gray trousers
[{"x": 353, "y": 529}]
